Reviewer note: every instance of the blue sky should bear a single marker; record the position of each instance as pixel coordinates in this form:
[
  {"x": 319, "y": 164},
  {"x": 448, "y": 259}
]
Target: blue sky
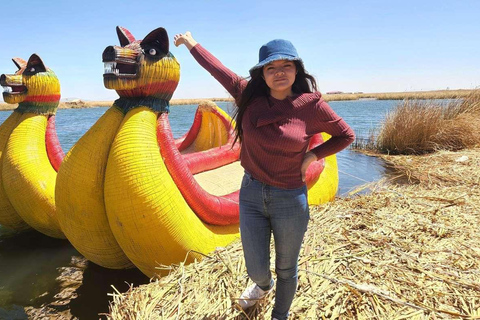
[{"x": 369, "y": 46}]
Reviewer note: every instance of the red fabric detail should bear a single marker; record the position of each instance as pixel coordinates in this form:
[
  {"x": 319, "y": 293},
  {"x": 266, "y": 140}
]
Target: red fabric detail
[
  {"x": 211, "y": 209},
  {"x": 46, "y": 98},
  {"x": 54, "y": 150}
]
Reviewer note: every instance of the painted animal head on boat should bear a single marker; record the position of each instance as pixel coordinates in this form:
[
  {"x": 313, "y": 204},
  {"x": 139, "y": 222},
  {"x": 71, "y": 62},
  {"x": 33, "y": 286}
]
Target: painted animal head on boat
[
  {"x": 141, "y": 68},
  {"x": 33, "y": 85}
]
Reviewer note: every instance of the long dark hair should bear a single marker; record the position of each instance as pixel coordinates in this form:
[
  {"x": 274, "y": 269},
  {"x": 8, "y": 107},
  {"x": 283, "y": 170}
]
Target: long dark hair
[{"x": 257, "y": 87}]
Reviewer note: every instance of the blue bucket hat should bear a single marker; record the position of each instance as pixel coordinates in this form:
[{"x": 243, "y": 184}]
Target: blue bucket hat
[{"x": 274, "y": 50}]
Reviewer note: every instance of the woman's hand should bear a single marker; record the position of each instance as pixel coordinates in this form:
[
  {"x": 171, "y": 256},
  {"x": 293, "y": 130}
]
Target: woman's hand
[
  {"x": 308, "y": 158},
  {"x": 186, "y": 39}
]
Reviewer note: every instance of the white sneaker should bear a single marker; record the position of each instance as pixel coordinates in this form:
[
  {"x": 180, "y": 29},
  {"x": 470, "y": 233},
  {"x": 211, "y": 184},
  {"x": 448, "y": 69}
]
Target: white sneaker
[{"x": 251, "y": 295}]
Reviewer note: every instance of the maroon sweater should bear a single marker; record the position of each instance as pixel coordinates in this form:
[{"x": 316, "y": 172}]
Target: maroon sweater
[{"x": 276, "y": 133}]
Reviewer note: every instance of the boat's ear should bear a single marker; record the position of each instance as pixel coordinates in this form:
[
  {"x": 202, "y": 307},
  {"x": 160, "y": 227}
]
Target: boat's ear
[
  {"x": 35, "y": 64},
  {"x": 158, "y": 38},
  {"x": 20, "y": 63},
  {"x": 124, "y": 36}
]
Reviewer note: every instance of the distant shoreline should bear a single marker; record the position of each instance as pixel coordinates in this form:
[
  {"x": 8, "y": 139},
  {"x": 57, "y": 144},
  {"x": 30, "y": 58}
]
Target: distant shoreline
[
  {"x": 80, "y": 104},
  {"x": 434, "y": 94}
]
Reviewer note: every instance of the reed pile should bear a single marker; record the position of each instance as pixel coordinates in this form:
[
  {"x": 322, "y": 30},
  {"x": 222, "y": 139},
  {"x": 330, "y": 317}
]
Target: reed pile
[
  {"x": 423, "y": 126},
  {"x": 405, "y": 251}
]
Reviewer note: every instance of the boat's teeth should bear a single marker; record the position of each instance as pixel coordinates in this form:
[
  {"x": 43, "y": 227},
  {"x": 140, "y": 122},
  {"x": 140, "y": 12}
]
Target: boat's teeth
[
  {"x": 110, "y": 67},
  {"x": 7, "y": 89}
]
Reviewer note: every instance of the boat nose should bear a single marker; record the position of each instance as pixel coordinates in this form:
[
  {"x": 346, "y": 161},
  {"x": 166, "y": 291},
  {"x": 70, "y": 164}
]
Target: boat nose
[{"x": 108, "y": 54}]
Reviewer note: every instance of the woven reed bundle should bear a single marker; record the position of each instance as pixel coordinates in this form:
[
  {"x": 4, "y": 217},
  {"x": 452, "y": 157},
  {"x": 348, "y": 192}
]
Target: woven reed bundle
[{"x": 409, "y": 251}]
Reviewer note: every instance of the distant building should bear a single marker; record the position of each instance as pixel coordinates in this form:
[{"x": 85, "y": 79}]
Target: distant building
[{"x": 334, "y": 92}]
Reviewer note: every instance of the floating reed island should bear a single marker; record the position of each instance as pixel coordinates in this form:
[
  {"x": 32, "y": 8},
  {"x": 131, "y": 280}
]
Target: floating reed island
[
  {"x": 435, "y": 94},
  {"x": 404, "y": 251},
  {"x": 409, "y": 249}
]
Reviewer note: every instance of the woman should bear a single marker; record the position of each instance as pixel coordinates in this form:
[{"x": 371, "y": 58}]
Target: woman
[{"x": 279, "y": 110}]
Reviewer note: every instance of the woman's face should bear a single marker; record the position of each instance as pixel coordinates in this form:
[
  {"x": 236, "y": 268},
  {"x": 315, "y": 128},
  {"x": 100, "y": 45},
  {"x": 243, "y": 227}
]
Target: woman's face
[{"x": 280, "y": 76}]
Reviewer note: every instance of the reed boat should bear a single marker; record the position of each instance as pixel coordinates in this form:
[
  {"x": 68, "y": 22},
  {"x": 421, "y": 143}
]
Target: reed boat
[{"x": 30, "y": 153}]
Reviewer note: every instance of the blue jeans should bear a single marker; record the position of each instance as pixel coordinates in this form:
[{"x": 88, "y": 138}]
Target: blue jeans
[{"x": 264, "y": 210}]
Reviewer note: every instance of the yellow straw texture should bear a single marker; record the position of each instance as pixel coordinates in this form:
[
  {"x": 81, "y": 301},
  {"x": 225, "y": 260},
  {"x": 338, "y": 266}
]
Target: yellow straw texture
[
  {"x": 43, "y": 83},
  {"x": 212, "y": 133},
  {"x": 326, "y": 187},
  {"x": 79, "y": 194},
  {"x": 8, "y": 216},
  {"x": 28, "y": 176},
  {"x": 147, "y": 213}
]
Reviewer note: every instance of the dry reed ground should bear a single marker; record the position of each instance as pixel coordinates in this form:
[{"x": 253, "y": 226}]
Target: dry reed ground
[{"x": 404, "y": 251}]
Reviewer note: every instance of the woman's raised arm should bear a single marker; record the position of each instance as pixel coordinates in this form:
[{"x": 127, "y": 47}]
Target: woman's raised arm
[{"x": 232, "y": 82}]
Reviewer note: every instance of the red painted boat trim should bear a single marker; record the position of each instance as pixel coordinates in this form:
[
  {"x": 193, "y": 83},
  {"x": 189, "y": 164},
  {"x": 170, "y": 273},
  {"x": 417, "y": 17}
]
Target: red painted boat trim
[
  {"x": 180, "y": 140},
  {"x": 215, "y": 157},
  {"x": 45, "y": 98},
  {"x": 54, "y": 149},
  {"x": 211, "y": 209},
  {"x": 190, "y": 136}
]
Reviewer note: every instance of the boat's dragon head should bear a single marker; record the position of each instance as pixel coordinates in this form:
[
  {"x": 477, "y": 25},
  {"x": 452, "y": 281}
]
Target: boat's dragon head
[
  {"x": 141, "y": 68},
  {"x": 33, "y": 85}
]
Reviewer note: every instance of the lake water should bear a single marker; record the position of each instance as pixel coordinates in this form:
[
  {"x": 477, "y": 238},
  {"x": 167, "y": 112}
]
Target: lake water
[{"x": 29, "y": 261}]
